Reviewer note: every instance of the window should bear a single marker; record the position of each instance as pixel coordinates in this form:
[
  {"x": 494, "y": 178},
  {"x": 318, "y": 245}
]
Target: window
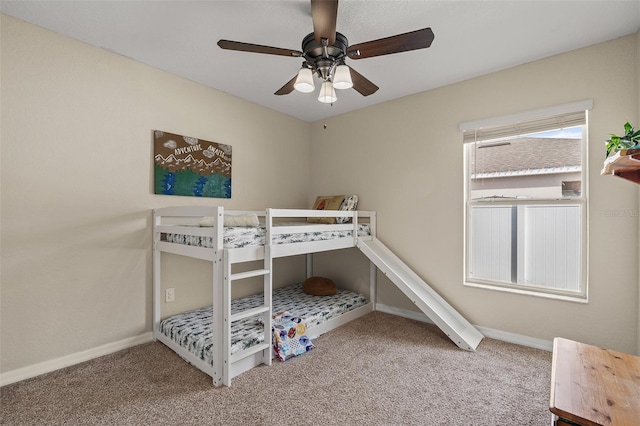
[{"x": 525, "y": 202}]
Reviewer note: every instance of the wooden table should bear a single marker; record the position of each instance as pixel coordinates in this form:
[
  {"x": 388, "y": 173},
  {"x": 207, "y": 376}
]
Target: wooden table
[{"x": 594, "y": 386}]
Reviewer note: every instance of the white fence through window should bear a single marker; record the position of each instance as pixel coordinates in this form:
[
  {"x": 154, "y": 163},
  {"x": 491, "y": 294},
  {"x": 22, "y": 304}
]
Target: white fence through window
[{"x": 529, "y": 245}]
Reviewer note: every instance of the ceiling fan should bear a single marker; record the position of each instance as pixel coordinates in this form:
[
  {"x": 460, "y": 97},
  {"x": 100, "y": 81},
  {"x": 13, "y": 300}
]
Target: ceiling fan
[{"x": 325, "y": 50}]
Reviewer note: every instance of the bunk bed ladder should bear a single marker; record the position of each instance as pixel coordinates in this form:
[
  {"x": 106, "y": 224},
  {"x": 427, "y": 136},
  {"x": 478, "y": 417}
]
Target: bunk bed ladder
[{"x": 228, "y": 317}]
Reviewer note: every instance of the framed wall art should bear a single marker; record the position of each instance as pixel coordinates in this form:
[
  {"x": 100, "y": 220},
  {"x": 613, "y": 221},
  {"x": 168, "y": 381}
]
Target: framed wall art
[{"x": 189, "y": 166}]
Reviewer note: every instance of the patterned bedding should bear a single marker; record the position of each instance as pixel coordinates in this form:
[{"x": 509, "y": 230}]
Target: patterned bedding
[
  {"x": 237, "y": 237},
  {"x": 192, "y": 330}
]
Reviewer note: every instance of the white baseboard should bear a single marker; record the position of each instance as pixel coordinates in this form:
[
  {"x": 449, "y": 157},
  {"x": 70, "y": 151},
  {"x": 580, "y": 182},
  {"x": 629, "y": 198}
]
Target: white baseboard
[
  {"x": 68, "y": 360},
  {"x": 504, "y": 336},
  {"x": 404, "y": 313},
  {"x": 518, "y": 339}
]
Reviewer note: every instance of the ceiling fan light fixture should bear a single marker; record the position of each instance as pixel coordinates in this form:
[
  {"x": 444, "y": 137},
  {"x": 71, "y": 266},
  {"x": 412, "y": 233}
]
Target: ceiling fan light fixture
[
  {"x": 304, "y": 81},
  {"x": 327, "y": 93},
  {"x": 325, "y": 50},
  {"x": 342, "y": 78}
]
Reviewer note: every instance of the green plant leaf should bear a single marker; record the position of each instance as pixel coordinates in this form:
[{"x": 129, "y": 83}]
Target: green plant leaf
[{"x": 616, "y": 143}]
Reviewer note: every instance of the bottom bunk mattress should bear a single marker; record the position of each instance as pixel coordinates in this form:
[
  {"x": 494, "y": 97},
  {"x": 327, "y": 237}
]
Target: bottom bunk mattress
[{"x": 192, "y": 330}]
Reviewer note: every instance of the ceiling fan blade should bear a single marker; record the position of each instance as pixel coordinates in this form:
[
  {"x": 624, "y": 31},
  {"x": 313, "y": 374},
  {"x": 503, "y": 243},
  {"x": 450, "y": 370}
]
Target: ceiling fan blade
[
  {"x": 361, "y": 84},
  {"x": 413, "y": 40},
  {"x": 324, "y": 14},
  {"x": 287, "y": 88},
  {"x": 256, "y": 48}
]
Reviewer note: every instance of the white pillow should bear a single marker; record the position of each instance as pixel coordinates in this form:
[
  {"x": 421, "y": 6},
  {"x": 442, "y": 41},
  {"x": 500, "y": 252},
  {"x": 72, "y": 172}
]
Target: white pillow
[
  {"x": 233, "y": 220},
  {"x": 242, "y": 220},
  {"x": 207, "y": 221}
]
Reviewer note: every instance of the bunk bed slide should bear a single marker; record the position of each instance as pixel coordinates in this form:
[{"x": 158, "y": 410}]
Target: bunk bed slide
[{"x": 229, "y": 337}]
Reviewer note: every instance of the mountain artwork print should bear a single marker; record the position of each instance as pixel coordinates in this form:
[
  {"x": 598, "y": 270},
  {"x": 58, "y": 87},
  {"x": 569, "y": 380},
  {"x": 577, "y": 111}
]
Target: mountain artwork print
[{"x": 190, "y": 166}]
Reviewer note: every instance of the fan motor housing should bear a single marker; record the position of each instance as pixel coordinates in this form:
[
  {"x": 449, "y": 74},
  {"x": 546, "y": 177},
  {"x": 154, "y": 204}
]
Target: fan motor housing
[{"x": 321, "y": 61}]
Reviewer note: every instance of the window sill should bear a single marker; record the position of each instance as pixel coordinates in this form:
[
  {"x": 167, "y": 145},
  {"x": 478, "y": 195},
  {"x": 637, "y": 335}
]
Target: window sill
[{"x": 523, "y": 291}]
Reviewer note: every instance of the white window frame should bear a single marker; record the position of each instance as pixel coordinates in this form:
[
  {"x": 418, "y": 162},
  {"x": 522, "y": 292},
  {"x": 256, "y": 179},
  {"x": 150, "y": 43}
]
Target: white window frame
[{"x": 477, "y": 126}]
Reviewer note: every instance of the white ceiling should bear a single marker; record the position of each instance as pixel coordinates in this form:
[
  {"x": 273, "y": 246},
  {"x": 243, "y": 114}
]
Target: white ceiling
[{"x": 472, "y": 38}]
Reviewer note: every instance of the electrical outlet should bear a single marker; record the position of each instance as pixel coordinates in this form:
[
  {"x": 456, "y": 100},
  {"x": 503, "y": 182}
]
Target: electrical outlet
[{"x": 170, "y": 295}]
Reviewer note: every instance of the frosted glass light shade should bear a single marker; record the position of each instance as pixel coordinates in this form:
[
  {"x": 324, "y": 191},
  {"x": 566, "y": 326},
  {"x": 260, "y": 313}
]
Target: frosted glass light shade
[
  {"x": 327, "y": 93},
  {"x": 304, "y": 81},
  {"x": 342, "y": 78}
]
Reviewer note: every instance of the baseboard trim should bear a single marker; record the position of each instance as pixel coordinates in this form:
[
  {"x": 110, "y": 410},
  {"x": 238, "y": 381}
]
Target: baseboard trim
[
  {"x": 404, "y": 313},
  {"x": 518, "y": 339},
  {"x": 504, "y": 336},
  {"x": 68, "y": 360}
]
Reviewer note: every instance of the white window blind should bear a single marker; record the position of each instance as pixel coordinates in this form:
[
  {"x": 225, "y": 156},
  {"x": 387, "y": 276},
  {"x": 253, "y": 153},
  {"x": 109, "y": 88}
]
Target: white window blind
[{"x": 561, "y": 116}]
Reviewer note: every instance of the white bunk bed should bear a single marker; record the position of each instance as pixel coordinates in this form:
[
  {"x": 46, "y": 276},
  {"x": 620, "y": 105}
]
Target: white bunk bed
[{"x": 176, "y": 231}]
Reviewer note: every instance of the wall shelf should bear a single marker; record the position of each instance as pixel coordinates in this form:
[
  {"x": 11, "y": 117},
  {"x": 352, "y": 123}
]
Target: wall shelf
[{"x": 625, "y": 163}]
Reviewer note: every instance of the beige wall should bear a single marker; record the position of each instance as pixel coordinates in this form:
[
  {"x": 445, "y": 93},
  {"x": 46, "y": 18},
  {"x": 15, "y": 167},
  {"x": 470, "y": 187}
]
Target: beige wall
[
  {"x": 404, "y": 159},
  {"x": 76, "y": 185}
]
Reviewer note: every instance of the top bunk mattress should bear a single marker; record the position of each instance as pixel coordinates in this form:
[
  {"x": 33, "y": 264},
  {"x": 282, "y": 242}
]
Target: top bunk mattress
[{"x": 238, "y": 237}]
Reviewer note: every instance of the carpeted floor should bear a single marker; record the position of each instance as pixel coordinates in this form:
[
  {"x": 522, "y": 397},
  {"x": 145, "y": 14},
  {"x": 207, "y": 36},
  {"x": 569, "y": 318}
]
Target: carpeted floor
[{"x": 378, "y": 370}]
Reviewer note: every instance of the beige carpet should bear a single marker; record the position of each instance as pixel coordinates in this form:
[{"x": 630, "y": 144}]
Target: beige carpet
[{"x": 378, "y": 370}]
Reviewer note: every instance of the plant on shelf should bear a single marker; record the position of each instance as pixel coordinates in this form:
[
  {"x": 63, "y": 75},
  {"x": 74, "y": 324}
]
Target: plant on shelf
[{"x": 630, "y": 139}]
